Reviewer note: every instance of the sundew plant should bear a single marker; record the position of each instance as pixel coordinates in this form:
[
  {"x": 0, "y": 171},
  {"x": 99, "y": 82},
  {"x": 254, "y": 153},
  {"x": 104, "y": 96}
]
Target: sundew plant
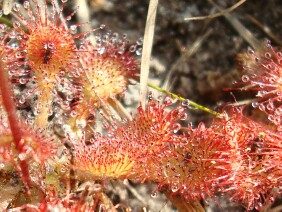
[{"x": 64, "y": 133}]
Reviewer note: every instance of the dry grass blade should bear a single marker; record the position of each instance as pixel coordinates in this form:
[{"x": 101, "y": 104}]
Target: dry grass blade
[
  {"x": 7, "y": 6},
  {"x": 275, "y": 209},
  {"x": 147, "y": 49},
  {"x": 182, "y": 206},
  {"x": 191, "y": 51},
  {"x": 136, "y": 194},
  {"x": 84, "y": 16},
  {"x": 57, "y": 8},
  {"x": 241, "y": 29},
  {"x": 266, "y": 29},
  {"x": 223, "y": 12},
  {"x": 119, "y": 108}
]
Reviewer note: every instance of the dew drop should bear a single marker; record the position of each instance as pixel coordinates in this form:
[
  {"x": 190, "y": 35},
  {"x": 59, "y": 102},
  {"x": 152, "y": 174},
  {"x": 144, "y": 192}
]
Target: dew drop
[
  {"x": 183, "y": 116},
  {"x": 139, "y": 41},
  {"x": 174, "y": 188},
  {"x": 50, "y": 45},
  {"x": 202, "y": 126},
  {"x": 62, "y": 73},
  {"x": 12, "y": 34},
  {"x": 261, "y": 93},
  {"x": 30, "y": 121},
  {"x": 20, "y": 54},
  {"x": 255, "y": 104},
  {"x": 115, "y": 35},
  {"x": 150, "y": 96},
  {"x": 69, "y": 97},
  {"x": 73, "y": 29},
  {"x": 168, "y": 100},
  {"x": 267, "y": 55},
  {"x": 121, "y": 50},
  {"x": 132, "y": 48},
  {"x": 76, "y": 74},
  {"x": 279, "y": 128},
  {"x": 257, "y": 197},
  {"x": 124, "y": 36},
  {"x": 188, "y": 156},
  {"x": 23, "y": 81},
  {"x": 271, "y": 80},
  {"x": 105, "y": 38},
  {"x": 125, "y": 182},
  {"x": 101, "y": 50},
  {"x": 268, "y": 43},
  {"x": 186, "y": 103},
  {"x": 245, "y": 78},
  {"x": 277, "y": 120},
  {"x": 22, "y": 156},
  {"x": 102, "y": 26},
  {"x": 34, "y": 79},
  {"x": 36, "y": 110},
  {"x": 26, "y": 4},
  {"x": 271, "y": 118},
  {"x": 257, "y": 59},
  {"x": 176, "y": 128},
  {"x": 261, "y": 107},
  {"x": 73, "y": 113},
  {"x": 270, "y": 106},
  {"x": 16, "y": 7},
  {"x": 50, "y": 112},
  {"x": 2, "y": 165},
  {"x": 251, "y": 51},
  {"x": 11, "y": 72},
  {"x": 82, "y": 47},
  {"x": 139, "y": 51},
  {"x": 16, "y": 24},
  {"x": 271, "y": 199},
  {"x": 258, "y": 206},
  {"x": 278, "y": 111},
  {"x": 3, "y": 27},
  {"x": 22, "y": 100},
  {"x": 270, "y": 67},
  {"x": 154, "y": 194}
]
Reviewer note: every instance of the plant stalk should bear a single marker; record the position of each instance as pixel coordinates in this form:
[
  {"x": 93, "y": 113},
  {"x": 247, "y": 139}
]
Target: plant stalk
[
  {"x": 191, "y": 103},
  {"x": 15, "y": 126}
]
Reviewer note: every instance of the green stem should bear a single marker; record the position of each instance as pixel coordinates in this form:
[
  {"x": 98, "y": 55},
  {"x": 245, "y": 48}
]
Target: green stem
[
  {"x": 16, "y": 127},
  {"x": 9, "y": 23},
  {"x": 191, "y": 103},
  {"x": 6, "y": 21}
]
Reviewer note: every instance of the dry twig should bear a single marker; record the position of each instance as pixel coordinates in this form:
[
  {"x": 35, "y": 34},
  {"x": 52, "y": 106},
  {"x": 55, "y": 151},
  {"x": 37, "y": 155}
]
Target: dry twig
[{"x": 147, "y": 49}]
